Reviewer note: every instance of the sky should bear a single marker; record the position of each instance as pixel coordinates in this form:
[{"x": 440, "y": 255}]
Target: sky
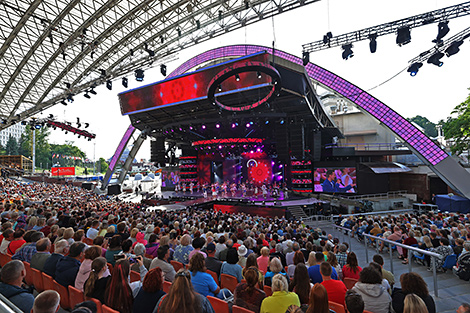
[{"x": 432, "y": 93}]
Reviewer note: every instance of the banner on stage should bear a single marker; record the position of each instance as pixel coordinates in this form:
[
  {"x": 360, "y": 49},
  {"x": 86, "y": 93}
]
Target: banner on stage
[{"x": 63, "y": 171}]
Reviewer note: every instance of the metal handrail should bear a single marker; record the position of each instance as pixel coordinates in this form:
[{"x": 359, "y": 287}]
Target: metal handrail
[
  {"x": 375, "y": 213},
  {"x": 433, "y": 255}
]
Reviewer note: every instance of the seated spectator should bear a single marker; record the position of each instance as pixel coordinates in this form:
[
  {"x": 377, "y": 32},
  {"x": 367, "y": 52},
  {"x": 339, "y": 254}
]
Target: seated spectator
[
  {"x": 385, "y": 283},
  {"x": 26, "y": 252},
  {"x": 68, "y": 235},
  {"x": 290, "y": 255},
  {"x": 281, "y": 298},
  {"x": 412, "y": 283},
  {"x": 183, "y": 298},
  {"x": 242, "y": 251},
  {"x": 61, "y": 248},
  {"x": 139, "y": 250},
  {"x": 220, "y": 246},
  {"x": 79, "y": 235},
  {"x": 113, "y": 249},
  {"x": 336, "y": 289},
  {"x": 67, "y": 267},
  {"x": 385, "y": 274},
  {"x": 247, "y": 295},
  {"x": 314, "y": 271},
  {"x": 139, "y": 238},
  {"x": 444, "y": 250},
  {"x": 152, "y": 246},
  {"x": 126, "y": 247},
  {"x": 351, "y": 269},
  {"x": 300, "y": 283},
  {"x": 252, "y": 262},
  {"x": 263, "y": 260},
  {"x": 40, "y": 257},
  {"x": 121, "y": 231},
  {"x": 183, "y": 250},
  {"x": 462, "y": 268},
  {"x": 354, "y": 302},
  {"x": 414, "y": 304},
  {"x": 17, "y": 242},
  {"x": 93, "y": 231},
  {"x": 7, "y": 239},
  {"x": 298, "y": 258},
  {"x": 118, "y": 293},
  {"x": 318, "y": 302},
  {"x": 198, "y": 243},
  {"x": 53, "y": 234},
  {"x": 85, "y": 269},
  {"x": 203, "y": 282},
  {"x": 230, "y": 267},
  {"x": 212, "y": 263},
  {"x": 331, "y": 258},
  {"x": 161, "y": 261},
  {"x": 275, "y": 267},
  {"x": 47, "y": 301},
  {"x": 150, "y": 293},
  {"x": 96, "y": 283},
  {"x": 12, "y": 275},
  {"x": 223, "y": 254},
  {"x": 278, "y": 253},
  {"x": 376, "y": 298}
]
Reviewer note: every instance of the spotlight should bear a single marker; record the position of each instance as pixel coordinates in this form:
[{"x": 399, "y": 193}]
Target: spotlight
[
  {"x": 258, "y": 74},
  {"x": 305, "y": 58},
  {"x": 139, "y": 75},
  {"x": 162, "y": 39},
  {"x": 266, "y": 122},
  {"x": 282, "y": 121},
  {"x": 414, "y": 68},
  {"x": 435, "y": 59},
  {"x": 248, "y": 125},
  {"x": 86, "y": 125},
  {"x": 109, "y": 84},
  {"x": 220, "y": 88},
  {"x": 454, "y": 48},
  {"x": 198, "y": 24},
  {"x": 233, "y": 125},
  {"x": 23, "y": 123},
  {"x": 125, "y": 82},
  {"x": 63, "y": 102},
  {"x": 403, "y": 36},
  {"x": 79, "y": 125},
  {"x": 37, "y": 126},
  {"x": 217, "y": 125},
  {"x": 237, "y": 77},
  {"x": 179, "y": 32},
  {"x": 67, "y": 85},
  {"x": 92, "y": 91},
  {"x": 203, "y": 126},
  {"x": 347, "y": 51},
  {"x": 70, "y": 97},
  {"x": 443, "y": 30},
  {"x": 86, "y": 95},
  {"x": 373, "y": 43},
  {"x": 103, "y": 72},
  {"x": 163, "y": 69},
  {"x": 327, "y": 37}
]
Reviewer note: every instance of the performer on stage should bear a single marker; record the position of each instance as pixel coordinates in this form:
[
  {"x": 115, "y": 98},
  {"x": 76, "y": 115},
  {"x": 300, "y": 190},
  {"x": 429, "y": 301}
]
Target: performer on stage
[
  {"x": 233, "y": 189},
  {"x": 255, "y": 192},
  {"x": 214, "y": 191},
  {"x": 191, "y": 186},
  {"x": 184, "y": 187},
  {"x": 264, "y": 189},
  {"x": 243, "y": 187}
]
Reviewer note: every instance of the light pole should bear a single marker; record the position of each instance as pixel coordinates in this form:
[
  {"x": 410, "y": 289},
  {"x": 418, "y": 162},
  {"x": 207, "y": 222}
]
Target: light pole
[{"x": 33, "y": 152}]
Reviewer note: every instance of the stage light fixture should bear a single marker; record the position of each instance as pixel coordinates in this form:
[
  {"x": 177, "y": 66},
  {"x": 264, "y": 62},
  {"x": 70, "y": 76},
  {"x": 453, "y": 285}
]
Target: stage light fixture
[
  {"x": 282, "y": 121},
  {"x": 266, "y": 122},
  {"x": 258, "y": 74},
  {"x": 454, "y": 48},
  {"x": 442, "y": 31},
  {"x": 233, "y": 125},
  {"x": 70, "y": 97},
  {"x": 86, "y": 125},
  {"x": 237, "y": 77},
  {"x": 436, "y": 59},
  {"x": 139, "y": 75},
  {"x": 248, "y": 125},
  {"x": 305, "y": 57},
  {"x": 86, "y": 95},
  {"x": 414, "y": 68},
  {"x": 219, "y": 88},
  {"x": 23, "y": 123},
  {"x": 92, "y": 91},
  {"x": 67, "y": 85},
  {"x": 179, "y": 32},
  {"x": 373, "y": 43},
  {"x": 327, "y": 38},
  {"x": 131, "y": 52},
  {"x": 79, "y": 125},
  {"x": 109, "y": 84},
  {"x": 63, "y": 102},
  {"x": 125, "y": 82},
  {"x": 203, "y": 126},
  {"x": 347, "y": 51},
  {"x": 198, "y": 24},
  {"x": 217, "y": 125},
  {"x": 163, "y": 69},
  {"x": 37, "y": 126},
  {"x": 162, "y": 39},
  {"x": 102, "y": 72},
  {"x": 403, "y": 36}
]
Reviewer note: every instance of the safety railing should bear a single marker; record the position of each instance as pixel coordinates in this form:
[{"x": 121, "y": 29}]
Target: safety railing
[
  {"x": 388, "y": 195},
  {"x": 376, "y": 213},
  {"x": 7, "y": 307},
  {"x": 391, "y": 243}
]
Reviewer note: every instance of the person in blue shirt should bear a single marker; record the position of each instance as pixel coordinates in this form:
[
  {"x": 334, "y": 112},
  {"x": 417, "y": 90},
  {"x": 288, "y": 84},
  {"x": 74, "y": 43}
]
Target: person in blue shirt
[
  {"x": 314, "y": 270},
  {"x": 330, "y": 185},
  {"x": 203, "y": 282},
  {"x": 230, "y": 267}
]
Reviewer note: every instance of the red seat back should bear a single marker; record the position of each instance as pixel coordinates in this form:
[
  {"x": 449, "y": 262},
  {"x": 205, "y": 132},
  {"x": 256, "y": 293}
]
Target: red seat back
[
  {"x": 110, "y": 267},
  {"x": 47, "y": 282},
  {"x": 107, "y": 309},
  {"x": 3, "y": 259},
  {"x": 177, "y": 265},
  {"x": 29, "y": 274},
  {"x": 228, "y": 281},
  {"x": 338, "y": 308},
  {"x": 268, "y": 291},
  {"x": 135, "y": 276},
  {"x": 166, "y": 286},
  {"x": 64, "y": 295},
  {"x": 75, "y": 296},
  {"x": 239, "y": 309},
  {"x": 88, "y": 241},
  {"x": 98, "y": 304},
  {"x": 37, "y": 280},
  {"x": 350, "y": 282},
  {"x": 220, "y": 306},
  {"x": 214, "y": 275}
]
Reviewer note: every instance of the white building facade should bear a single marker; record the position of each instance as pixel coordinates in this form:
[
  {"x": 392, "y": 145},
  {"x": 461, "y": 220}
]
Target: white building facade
[{"x": 15, "y": 131}]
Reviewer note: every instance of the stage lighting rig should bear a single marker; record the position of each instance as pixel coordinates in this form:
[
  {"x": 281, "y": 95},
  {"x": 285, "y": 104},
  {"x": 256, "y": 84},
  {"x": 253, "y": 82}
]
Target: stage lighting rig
[
  {"x": 139, "y": 75},
  {"x": 347, "y": 51},
  {"x": 163, "y": 69},
  {"x": 125, "y": 82},
  {"x": 109, "y": 85},
  {"x": 92, "y": 91},
  {"x": 443, "y": 30},
  {"x": 403, "y": 36},
  {"x": 414, "y": 68},
  {"x": 373, "y": 43},
  {"x": 436, "y": 59},
  {"x": 454, "y": 48},
  {"x": 305, "y": 58}
]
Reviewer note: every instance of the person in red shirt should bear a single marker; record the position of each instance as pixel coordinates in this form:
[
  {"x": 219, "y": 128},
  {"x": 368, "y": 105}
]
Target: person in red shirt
[
  {"x": 335, "y": 289},
  {"x": 17, "y": 241},
  {"x": 351, "y": 269}
]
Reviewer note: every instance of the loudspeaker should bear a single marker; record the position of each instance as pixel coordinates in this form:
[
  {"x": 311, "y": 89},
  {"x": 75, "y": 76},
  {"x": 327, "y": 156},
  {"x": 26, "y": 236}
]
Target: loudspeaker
[
  {"x": 157, "y": 151},
  {"x": 188, "y": 151},
  {"x": 316, "y": 146},
  {"x": 282, "y": 147},
  {"x": 296, "y": 140},
  {"x": 114, "y": 190},
  {"x": 87, "y": 186}
]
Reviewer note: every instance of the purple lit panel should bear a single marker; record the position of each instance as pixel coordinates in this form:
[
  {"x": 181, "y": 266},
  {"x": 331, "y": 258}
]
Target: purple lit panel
[
  {"x": 395, "y": 122},
  {"x": 122, "y": 146}
]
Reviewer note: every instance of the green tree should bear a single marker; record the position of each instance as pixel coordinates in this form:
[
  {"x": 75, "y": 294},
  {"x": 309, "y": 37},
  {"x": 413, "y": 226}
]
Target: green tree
[
  {"x": 3, "y": 151},
  {"x": 43, "y": 149},
  {"x": 428, "y": 126},
  {"x": 457, "y": 127},
  {"x": 12, "y": 146},
  {"x": 103, "y": 166}
]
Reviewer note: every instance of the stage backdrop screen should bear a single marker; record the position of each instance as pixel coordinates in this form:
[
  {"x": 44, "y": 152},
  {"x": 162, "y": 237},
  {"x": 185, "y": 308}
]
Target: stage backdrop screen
[{"x": 335, "y": 179}]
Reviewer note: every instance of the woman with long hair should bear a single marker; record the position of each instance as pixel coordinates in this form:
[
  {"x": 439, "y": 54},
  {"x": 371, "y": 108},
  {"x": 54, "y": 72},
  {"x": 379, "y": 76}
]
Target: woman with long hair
[
  {"x": 96, "y": 283},
  {"x": 252, "y": 262},
  {"x": 412, "y": 283},
  {"x": 183, "y": 298},
  {"x": 300, "y": 284},
  {"x": 414, "y": 304},
  {"x": 298, "y": 258},
  {"x": 91, "y": 253},
  {"x": 150, "y": 292},
  {"x": 118, "y": 294},
  {"x": 331, "y": 258},
  {"x": 351, "y": 269},
  {"x": 318, "y": 300},
  {"x": 246, "y": 294}
]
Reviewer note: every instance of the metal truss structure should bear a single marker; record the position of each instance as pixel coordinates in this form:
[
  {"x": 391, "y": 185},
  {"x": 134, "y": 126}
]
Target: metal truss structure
[
  {"x": 52, "y": 50},
  {"x": 436, "y": 16}
]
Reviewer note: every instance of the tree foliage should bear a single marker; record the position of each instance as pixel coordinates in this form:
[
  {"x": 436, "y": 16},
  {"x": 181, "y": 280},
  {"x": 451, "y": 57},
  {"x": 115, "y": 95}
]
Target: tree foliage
[
  {"x": 428, "y": 126},
  {"x": 457, "y": 128},
  {"x": 43, "y": 149},
  {"x": 11, "y": 146},
  {"x": 103, "y": 166}
]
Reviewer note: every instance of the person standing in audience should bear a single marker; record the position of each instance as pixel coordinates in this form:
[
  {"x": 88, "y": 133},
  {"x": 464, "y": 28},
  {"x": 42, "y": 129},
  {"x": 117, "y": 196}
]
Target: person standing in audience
[
  {"x": 335, "y": 288},
  {"x": 412, "y": 283},
  {"x": 376, "y": 298},
  {"x": 212, "y": 263},
  {"x": 247, "y": 295},
  {"x": 47, "y": 301},
  {"x": 67, "y": 267},
  {"x": 183, "y": 298},
  {"x": 281, "y": 298},
  {"x": 161, "y": 261},
  {"x": 318, "y": 302},
  {"x": 61, "y": 248},
  {"x": 85, "y": 269},
  {"x": 300, "y": 283},
  {"x": 230, "y": 267},
  {"x": 40, "y": 257},
  {"x": 150, "y": 292},
  {"x": 414, "y": 304},
  {"x": 351, "y": 269},
  {"x": 12, "y": 275},
  {"x": 354, "y": 302}
]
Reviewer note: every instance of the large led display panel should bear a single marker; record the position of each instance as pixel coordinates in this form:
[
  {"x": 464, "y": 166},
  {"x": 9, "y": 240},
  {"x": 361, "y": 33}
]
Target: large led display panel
[{"x": 335, "y": 180}]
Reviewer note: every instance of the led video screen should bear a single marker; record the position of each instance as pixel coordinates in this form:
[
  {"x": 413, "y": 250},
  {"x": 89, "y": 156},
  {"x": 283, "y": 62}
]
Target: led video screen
[{"x": 335, "y": 179}]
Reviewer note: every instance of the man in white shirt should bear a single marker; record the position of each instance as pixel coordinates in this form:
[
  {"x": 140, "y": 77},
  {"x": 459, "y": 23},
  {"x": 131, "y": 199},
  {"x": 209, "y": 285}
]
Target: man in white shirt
[
  {"x": 92, "y": 233},
  {"x": 7, "y": 238}
]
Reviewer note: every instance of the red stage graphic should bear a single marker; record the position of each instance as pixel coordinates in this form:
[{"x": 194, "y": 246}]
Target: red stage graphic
[
  {"x": 63, "y": 171},
  {"x": 253, "y": 210},
  {"x": 187, "y": 88}
]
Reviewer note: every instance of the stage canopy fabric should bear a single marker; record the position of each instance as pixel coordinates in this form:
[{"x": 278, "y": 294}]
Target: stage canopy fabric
[{"x": 453, "y": 203}]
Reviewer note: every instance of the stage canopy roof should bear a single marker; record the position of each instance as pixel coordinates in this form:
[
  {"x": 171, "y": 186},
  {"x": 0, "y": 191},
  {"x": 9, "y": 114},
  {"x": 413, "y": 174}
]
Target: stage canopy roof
[{"x": 51, "y": 50}]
